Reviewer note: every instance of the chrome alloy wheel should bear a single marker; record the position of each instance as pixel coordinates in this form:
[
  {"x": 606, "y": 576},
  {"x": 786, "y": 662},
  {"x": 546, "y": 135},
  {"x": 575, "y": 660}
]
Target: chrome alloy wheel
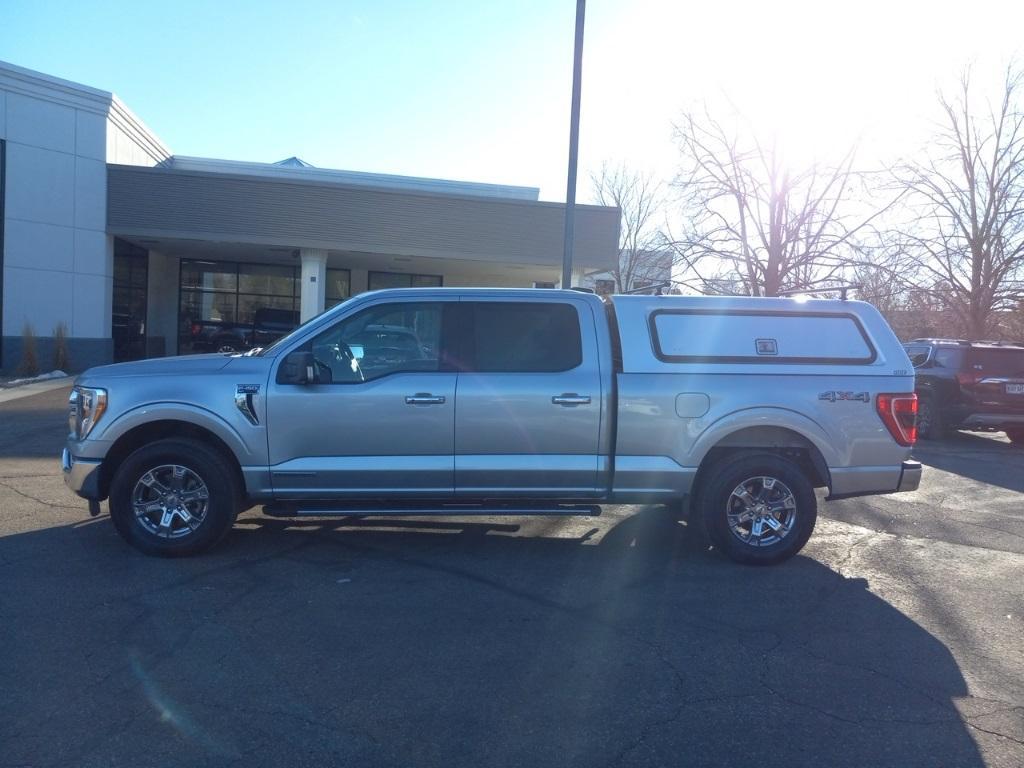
[
  {"x": 761, "y": 511},
  {"x": 170, "y": 501}
]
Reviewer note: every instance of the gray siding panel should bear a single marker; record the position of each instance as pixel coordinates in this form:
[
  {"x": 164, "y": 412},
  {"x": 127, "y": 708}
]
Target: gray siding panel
[{"x": 164, "y": 202}]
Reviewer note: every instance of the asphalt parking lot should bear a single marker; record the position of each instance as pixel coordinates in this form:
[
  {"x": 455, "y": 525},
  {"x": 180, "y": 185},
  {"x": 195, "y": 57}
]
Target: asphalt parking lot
[{"x": 895, "y": 639}]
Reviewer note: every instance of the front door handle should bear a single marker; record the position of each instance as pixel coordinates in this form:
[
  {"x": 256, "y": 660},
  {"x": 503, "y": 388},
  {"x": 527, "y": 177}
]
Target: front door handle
[
  {"x": 424, "y": 398},
  {"x": 570, "y": 399}
]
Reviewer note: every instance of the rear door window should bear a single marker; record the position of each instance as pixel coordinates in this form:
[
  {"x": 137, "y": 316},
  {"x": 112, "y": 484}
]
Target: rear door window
[{"x": 524, "y": 337}]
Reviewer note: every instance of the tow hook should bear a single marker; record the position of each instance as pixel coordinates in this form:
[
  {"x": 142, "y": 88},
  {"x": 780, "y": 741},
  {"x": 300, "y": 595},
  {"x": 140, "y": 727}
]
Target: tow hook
[{"x": 94, "y": 507}]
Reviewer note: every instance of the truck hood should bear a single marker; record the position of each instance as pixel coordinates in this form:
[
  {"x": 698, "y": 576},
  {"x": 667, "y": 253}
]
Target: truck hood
[{"x": 186, "y": 365}]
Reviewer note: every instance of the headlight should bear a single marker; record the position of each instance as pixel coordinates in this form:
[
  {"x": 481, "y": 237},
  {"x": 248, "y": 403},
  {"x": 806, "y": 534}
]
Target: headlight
[
  {"x": 73, "y": 413},
  {"x": 86, "y": 406}
]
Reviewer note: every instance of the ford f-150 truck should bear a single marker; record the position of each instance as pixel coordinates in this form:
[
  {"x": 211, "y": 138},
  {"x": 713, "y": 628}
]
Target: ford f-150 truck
[{"x": 505, "y": 401}]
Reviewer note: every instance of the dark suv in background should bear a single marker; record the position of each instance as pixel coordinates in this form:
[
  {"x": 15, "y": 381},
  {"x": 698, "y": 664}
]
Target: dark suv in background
[
  {"x": 268, "y": 326},
  {"x": 977, "y": 385}
]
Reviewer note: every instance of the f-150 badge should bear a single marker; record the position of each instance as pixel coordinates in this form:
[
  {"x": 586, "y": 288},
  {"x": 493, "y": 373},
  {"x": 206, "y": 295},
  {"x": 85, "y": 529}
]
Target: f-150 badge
[{"x": 861, "y": 397}]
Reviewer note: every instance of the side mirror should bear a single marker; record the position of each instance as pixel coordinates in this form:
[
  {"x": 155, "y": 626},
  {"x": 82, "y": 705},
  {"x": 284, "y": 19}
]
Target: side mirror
[{"x": 299, "y": 367}]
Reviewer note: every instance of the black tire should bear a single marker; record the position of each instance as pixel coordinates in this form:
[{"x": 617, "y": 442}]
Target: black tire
[
  {"x": 1016, "y": 435},
  {"x": 715, "y": 499},
  {"x": 215, "y": 476},
  {"x": 931, "y": 425}
]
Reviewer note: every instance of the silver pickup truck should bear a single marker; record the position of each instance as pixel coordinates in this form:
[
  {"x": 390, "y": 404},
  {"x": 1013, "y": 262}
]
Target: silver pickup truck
[{"x": 495, "y": 401}]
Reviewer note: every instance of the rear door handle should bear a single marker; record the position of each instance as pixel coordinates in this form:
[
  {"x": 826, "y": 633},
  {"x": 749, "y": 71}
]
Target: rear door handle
[
  {"x": 570, "y": 399},
  {"x": 424, "y": 398}
]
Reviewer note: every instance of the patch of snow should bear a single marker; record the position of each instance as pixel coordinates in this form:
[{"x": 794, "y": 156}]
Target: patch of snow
[{"x": 40, "y": 377}]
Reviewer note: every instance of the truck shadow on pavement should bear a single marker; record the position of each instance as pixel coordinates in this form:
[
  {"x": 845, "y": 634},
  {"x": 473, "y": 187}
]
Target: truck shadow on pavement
[
  {"x": 591, "y": 642},
  {"x": 976, "y": 457}
]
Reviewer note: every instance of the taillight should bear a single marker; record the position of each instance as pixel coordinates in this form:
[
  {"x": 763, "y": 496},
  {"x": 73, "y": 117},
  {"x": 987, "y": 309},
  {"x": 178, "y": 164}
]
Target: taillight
[
  {"x": 196, "y": 329},
  {"x": 967, "y": 378},
  {"x": 899, "y": 414}
]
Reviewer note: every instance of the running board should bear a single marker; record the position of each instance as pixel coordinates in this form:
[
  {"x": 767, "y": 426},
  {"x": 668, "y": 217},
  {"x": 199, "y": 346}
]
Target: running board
[{"x": 334, "y": 509}]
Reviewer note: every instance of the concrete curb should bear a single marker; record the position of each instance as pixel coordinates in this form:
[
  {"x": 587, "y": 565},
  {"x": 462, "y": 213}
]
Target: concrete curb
[{"x": 35, "y": 388}]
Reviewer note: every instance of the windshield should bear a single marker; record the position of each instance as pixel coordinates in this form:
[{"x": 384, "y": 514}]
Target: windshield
[{"x": 284, "y": 340}]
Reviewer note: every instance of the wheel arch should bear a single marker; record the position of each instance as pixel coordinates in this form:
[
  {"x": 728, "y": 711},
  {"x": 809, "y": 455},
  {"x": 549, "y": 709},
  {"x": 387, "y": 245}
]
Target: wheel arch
[
  {"x": 162, "y": 429},
  {"x": 786, "y": 441}
]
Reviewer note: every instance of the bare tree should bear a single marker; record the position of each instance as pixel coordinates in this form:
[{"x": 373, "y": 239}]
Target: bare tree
[
  {"x": 749, "y": 219},
  {"x": 965, "y": 233},
  {"x": 643, "y": 259},
  {"x": 910, "y": 311}
]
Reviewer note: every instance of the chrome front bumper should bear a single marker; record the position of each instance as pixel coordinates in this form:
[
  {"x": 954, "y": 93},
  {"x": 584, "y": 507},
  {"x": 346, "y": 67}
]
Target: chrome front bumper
[
  {"x": 910, "y": 476},
  {"x": 81, "y": 475}
]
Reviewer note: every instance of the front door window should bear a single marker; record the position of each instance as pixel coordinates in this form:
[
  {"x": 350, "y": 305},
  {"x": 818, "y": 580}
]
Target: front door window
[{"x": 379, "y": 341}]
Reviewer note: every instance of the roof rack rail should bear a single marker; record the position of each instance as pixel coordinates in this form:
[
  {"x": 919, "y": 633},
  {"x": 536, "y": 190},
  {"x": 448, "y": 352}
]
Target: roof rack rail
[
  {"x": 965, "y": 342},
  {"x": 656, "y": 287},
  {"x": 843, "y": 290}
]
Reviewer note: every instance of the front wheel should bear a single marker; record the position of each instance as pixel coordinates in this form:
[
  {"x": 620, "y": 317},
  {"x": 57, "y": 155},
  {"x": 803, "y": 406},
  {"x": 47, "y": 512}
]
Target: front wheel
[
  {"x": 174, "y": 498},
  {"x": 758, "y": 509}
]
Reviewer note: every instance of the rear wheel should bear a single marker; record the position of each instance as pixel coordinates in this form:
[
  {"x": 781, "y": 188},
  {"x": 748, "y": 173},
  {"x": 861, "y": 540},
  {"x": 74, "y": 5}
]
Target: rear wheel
[
  {"x": 758, "y": 509},
  {"x": 174, "y": 498},
  {"x": 930, "y": 423}
]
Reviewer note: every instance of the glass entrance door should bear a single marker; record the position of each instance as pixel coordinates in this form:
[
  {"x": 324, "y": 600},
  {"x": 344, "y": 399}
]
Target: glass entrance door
[{"x": 128, "y": 309}]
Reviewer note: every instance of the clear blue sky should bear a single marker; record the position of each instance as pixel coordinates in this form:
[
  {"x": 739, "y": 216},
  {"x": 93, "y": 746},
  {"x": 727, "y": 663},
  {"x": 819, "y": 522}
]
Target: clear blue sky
[
  {"x": 479, "y": 90},
  {"x": 425, "y": 88}
]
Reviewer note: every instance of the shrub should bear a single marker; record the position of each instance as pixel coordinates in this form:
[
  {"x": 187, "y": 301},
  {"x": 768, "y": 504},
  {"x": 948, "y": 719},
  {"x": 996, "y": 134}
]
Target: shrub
[
  {"x": 61, "y": 356},
  {"x": 29, "y": 365}
]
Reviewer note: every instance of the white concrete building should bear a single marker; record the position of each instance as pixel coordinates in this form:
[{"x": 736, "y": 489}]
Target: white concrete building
[{"x": 143, "y": 252}]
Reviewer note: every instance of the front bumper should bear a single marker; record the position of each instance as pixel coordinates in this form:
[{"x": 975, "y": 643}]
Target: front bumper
[
  {"x": 910, "y": 476},
  {"x": 81, "y": 475}
]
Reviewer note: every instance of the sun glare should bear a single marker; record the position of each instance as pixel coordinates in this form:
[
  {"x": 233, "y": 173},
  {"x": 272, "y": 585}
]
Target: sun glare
[{"x": 815, "y": 78}]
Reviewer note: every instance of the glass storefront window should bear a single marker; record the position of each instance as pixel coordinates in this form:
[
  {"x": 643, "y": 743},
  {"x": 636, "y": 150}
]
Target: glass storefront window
[
  {"x": 425, "y": 281},
  {"x": 267, "y": 279},
  {"x": 209, "y": 276},
  {"x": 208, "y": 306},
  {"x": 220, "y": 305},
  {"x": 248, "y": 305},
  {"x": 339, "y": 287},
  {"x": 380, "y": 280}
]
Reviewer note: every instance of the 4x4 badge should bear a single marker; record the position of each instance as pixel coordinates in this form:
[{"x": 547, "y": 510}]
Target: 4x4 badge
[
  {"x": 244, "y": 394},
  {"x": 862, "y": 397}
]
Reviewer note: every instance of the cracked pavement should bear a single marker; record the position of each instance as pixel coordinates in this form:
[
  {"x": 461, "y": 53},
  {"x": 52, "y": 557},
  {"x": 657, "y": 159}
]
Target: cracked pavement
[{"x": 895, "y": 639}]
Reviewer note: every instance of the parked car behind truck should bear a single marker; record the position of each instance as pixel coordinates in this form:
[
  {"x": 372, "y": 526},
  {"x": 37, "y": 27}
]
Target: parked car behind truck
[
  {"x": 510, "y": 401},
  {"x": 973, "y": 385}
]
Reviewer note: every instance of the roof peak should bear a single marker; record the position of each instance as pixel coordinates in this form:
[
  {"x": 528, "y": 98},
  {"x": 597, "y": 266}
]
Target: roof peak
[{"x": 294, "y": 162}]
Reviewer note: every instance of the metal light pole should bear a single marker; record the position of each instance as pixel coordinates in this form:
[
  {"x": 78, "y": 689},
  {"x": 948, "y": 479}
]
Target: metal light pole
[{"x": 574, "y": 145}]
